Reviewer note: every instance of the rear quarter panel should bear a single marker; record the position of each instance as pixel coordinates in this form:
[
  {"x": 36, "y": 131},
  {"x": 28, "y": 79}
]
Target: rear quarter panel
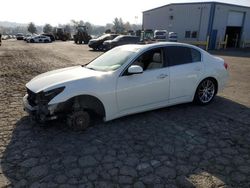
[{"x": 214, "y": 67}]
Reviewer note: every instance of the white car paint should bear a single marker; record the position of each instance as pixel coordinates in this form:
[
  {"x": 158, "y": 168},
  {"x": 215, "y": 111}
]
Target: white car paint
[
  {"x": 39, "y": 39},
  {"x": 122, "y": 95}
]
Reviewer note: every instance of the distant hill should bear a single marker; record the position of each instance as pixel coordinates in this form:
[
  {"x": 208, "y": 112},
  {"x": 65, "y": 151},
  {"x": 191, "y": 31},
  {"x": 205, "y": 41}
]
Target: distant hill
[{"x": 11, "y": 24}]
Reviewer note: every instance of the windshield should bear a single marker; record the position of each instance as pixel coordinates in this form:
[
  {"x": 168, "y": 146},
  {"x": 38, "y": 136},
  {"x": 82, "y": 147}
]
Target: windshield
[
  {"x": 111, "y": 60},
  {"x": 117, "y": 38},
  {"x": 103, "y": 36}
]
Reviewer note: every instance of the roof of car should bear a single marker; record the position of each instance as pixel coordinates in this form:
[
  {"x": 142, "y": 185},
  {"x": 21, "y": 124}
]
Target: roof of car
[
  {"x": 136, "y": 47},
  {"x": 131, "y": 36}
]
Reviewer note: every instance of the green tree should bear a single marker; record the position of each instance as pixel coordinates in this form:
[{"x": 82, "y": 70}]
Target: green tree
[
  {"x": 47, "y": 28},
  {"x": 108, "y": 31},
  {"x": 118, "y": 25},
  {"x": 109, "y": 26},
  {"x": 67, "y": 28},
  {"x": 81, "y": 22},
  {"x": 32, "y": 28},
  {"x": 127, "y": 26},
  {"x": 89, "y": 27}
]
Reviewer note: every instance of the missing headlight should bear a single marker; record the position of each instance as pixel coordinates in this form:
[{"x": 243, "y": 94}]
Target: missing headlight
[{"x": 47, "y": 96}]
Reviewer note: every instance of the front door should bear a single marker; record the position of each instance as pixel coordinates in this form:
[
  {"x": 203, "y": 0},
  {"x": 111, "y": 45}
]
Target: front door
[{"x": 149, "y": 88}]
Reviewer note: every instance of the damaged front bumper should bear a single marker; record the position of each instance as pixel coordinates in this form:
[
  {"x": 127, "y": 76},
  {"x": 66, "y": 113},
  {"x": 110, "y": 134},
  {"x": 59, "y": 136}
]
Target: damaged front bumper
[{"x": 41, "y": 113}]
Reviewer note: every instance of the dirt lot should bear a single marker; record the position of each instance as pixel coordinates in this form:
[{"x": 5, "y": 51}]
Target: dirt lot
[{"x": 180, "y": 146}]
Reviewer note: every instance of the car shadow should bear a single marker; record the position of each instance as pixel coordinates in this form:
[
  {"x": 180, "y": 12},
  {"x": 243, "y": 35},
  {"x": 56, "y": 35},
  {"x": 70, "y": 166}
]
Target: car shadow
[
  {"x": 183, "y": 146},
  {"x": 91, "y": 50}
]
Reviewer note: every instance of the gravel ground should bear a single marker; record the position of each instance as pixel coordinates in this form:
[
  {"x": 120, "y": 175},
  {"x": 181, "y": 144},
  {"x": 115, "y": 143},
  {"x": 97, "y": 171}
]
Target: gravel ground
[{"x": 179, "y": 146}]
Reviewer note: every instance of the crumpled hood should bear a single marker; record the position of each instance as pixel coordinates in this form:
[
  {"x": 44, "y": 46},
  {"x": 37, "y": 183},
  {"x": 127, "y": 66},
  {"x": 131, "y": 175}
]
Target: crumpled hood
[{"x": 51, "y": 79}]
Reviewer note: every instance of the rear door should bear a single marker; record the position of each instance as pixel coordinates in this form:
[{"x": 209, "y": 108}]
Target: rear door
[
  {"x": 121, "y": 41},
  {"x": 185, "y": 69}
]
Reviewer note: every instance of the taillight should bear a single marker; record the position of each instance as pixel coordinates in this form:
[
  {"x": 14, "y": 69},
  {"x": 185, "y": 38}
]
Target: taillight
[{"x": 225, "y": 65}]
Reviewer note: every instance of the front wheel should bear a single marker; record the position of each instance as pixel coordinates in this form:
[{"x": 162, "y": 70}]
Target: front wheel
[
  {"x": 205, "y": 92},
  {"x": 79, "y": 120}
]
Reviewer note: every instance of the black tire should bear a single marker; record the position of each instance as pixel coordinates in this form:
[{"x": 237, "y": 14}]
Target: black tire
[
  {"x": 79, "y": 120},
  {"x": 205, "y": 91},
  {"x": 46, "y": 41},
  {"x": 101, "y": 47},
  {"x": 32, "y": 41}
]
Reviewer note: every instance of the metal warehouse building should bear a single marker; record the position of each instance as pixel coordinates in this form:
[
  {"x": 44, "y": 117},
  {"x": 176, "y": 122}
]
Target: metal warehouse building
[{"x": 197, "y": 21}]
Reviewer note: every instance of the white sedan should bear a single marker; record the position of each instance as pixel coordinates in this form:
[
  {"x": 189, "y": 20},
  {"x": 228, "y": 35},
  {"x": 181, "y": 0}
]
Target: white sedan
[
  {"x": 127, "y": 80},
  {"x": 39, "y": 39}
]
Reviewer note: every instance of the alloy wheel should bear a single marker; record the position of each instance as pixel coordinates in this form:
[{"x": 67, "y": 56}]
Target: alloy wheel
[{"x": 206, "y": 91}]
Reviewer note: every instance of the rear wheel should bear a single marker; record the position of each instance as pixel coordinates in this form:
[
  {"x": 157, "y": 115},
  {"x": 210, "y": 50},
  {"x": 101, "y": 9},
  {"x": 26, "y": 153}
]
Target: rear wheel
[
  {"x": 79, "y": 120},
  {"x": 101, "y": 47},
  {"x": 205, "y": 92},
  {"x": 32, "y": 41}
]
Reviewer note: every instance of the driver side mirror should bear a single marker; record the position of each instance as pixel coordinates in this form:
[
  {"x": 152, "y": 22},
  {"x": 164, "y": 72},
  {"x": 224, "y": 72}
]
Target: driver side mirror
[{"x": 135, "y": 69}]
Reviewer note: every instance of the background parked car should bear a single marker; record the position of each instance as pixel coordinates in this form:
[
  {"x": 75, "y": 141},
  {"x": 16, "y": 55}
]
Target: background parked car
[
  {"x": 160, "y": 35},
  {"x": 97, "y": 44},
  {"x": 172, "y": 37},
  {"x": 26, "y": 36},
  {"x": 121, "y": 40},
  {"x": 50, "y": 35},
  {"x": 39, "y": 39},
  {"x": 19, "y": 36},
  {"x": 5, "y": 37}
]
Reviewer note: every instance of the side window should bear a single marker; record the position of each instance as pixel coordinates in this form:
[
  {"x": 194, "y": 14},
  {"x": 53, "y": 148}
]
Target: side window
[
  {"x": 132, "y": 39},
  {"x": 128, "y": 39},
  {"x": 178, "y": 55},
  {"x": 152, "y": 59},
  {"x": 196, "y": 55}
]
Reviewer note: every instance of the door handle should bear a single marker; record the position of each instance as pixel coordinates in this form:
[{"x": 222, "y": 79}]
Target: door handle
[{"x": 162, "y": 76}]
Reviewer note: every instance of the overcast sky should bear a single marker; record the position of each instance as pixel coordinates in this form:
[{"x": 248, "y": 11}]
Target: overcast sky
[{"x": 97, "y": 12}]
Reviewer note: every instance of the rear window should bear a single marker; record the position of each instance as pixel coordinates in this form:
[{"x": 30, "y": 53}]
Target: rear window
[
  {"x": 178, "y": 55},
  {"x": 196, "y": 55}
]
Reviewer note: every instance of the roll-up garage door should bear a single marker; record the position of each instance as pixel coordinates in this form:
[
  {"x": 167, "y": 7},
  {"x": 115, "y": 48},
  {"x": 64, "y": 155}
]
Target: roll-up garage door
[{"x": 235, "y": 19}]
